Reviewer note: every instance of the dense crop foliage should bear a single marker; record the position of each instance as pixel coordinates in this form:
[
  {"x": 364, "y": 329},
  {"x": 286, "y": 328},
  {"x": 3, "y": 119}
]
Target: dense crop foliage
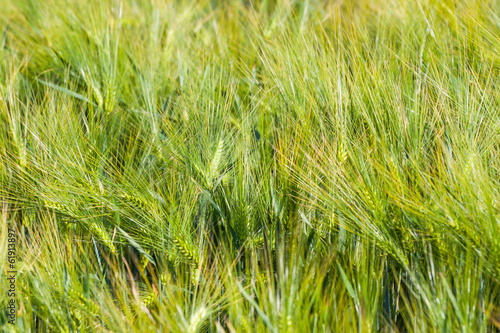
[{"x": 247, "y": 166}]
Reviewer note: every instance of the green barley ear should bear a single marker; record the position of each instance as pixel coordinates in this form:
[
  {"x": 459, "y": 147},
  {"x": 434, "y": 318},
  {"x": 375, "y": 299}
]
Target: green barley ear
[
  {"x": 135, "y": 201},
  {"x": 77, "y": 299},
  {"x": 164, "y": 279},
  {"x": 244, "y": 324},
  {"x": 249, "y": 219},
  {"x": 341, "y": 152},
  {"x": 216, "y": 161},
  {"x": 144, "y": 260},
  {"x": 76, "y": 319},
  {"x": 258, "y": 241},
  {"x": 188, "y": 254},
  {"x": 369, "y": 200},
  {"x": 110, "y": 99},
  {"x": 56, "y": 206},
  {"x": 402, "y": 233},
  {"x": 372, "y": 201},
  {"x": 200, "y": 173},
  {"x": 27, "y": 219},
  {"x": 285, "y": 322},
  {"x": 239, "y": 224},
  {"x": 196, "y": 320},
  {"x": 149, "y": 300},
  {"x": 103, "y": 236}
]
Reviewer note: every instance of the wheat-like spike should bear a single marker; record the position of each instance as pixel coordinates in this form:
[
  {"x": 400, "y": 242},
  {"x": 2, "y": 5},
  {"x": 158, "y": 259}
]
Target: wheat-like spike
[
  {"x": 341, "y": 152},
  {"x": 281, "y": 323},
  {"x": 202, "y": 174},
  {"x": 97, "y": 93},
  {"x": 56, "y": 206},
  {"x": 26, "y": 220},
  {"x": 103, "y": 236},
  {"x": 144, "y": 260},
  {"x": 110, "y": 98},
  {"x": 371, "y": 201},
  {"x": 186, "y": 252},
  {"x": 244, "y": 323},
  {"x": 77, "y": 302},
  {"x": 76, "y": 319},
  {"x": 249, "y": 219},
  {"x": 164, "y": 279},
  {"x": 285, "y": 322},
  {"x": 215, "y": 163},
  {"x": 149, "y": 300},
  {"x": 196, "y": 319},
  {"x": 240, "y": 229},
  {"x": 240, "y": 225},
  {"x": 78, "y": 315},
  {"x": 76, "y": 298},
  {"x": 58, "y": 317},
  {"x": 407, "y": 241},
  {"x": 258, "y": 241},
  {"x": 391, "y": 252},
  {"x": 134, "y": 201}
]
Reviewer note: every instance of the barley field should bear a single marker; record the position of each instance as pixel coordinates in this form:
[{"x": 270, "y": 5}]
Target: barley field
[{"x": 250, "y": 166}]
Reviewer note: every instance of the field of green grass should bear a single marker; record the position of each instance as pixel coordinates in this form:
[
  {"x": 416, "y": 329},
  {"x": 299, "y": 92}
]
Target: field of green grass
[{"x": 250, "y": 166}]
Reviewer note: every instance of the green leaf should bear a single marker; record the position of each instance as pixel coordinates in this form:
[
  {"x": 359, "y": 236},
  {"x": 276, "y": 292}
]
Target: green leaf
[{"x": 66, "y": 91}]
